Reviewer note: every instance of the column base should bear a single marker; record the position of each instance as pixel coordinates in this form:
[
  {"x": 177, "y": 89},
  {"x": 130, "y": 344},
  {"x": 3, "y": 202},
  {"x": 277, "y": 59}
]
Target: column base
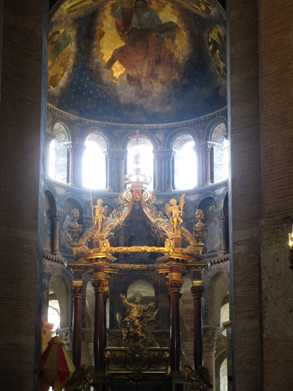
[{"x": 176, "y": 381}]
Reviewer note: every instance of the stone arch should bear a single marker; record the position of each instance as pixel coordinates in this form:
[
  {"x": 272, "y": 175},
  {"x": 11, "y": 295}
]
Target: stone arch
[
  {"x": 145, "y": 133},
  {"x": 212, "y": 221},
  {"x": 212, "y": 125},
  {"x": 178, "y": 132},
  {"x": 218, "y": 288},
  {"x": 106, "y": 135},
  {"x": 60, "y": 288},
  {"x": 51, "y": 189},
  {"x": 75, "y": 196},
  {"x": 219, "y": 360},
  {"x": 141, "y": 287},
  {"x": 203, "y": 196},
  {"x": 65, "y": 124}
]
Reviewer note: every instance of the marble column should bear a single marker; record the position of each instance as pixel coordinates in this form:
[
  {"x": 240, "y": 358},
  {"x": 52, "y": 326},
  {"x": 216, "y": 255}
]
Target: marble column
[
  {"x": 157, "y": 170},
  {"x": 77, "y": 290},
  {"x": 75, "y": 157},
  {"x": 99, "y": 284},
  {"x": 70, "y": 164},
  {"x": 109, "y": 169},
  {"x": 208, "y": 165},
  {"x": 175, "y": 284}
]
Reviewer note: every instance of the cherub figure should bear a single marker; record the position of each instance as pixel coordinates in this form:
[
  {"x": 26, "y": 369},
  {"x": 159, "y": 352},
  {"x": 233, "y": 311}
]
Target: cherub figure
[
  {"x": 136, "y": 319},
  {"x": 100, "y": 216},
  {"x": 175, "y": 211},
  {"x": 81, "y": 379}
]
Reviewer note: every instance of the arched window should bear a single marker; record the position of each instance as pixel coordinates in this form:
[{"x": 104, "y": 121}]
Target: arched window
[
  {"x": 185, "y": 162},
  {"x": 146, "y": 160},
  {"x": 141, "y": 288},
  {"x": 58, "y": 154},
  {"x": 224, "y": 375},
  {"x": 94, "y": 162},
  {"x": 54, "y": 315},
  {"x": 221, "y": 153}
]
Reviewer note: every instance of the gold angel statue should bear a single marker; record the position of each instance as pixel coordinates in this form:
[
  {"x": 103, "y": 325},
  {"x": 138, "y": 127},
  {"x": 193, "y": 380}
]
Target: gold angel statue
[
  {"x": 100, "y": 216},
  {"x": 133, "y": 326},
  {"x": 174, "y": 211},
  {"x": 197, "y": 380}
]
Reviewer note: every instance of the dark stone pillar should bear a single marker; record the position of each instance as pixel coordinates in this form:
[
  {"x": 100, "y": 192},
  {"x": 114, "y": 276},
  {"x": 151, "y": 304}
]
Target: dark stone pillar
[
  {"x": 163, "y": 159},
  {"x": 77, "y": 290},
  {"x": 118, "y": 172},
  {"x": 75, "y": 155},
  {"x": 56, "y": 226},
  {"x": 224, "y": 233}
]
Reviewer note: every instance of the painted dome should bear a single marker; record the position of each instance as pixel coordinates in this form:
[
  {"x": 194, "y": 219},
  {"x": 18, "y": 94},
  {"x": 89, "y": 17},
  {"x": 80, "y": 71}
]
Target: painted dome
[{"x": 137, "y": 61}]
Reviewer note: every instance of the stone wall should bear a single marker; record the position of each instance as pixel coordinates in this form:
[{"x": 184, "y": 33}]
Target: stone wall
[
  {"x": 20, "y": 139},
  {"x": 276, "y": 57},
  {"x": 246, "y": 192},
  {"x": 261, "y": 191}
]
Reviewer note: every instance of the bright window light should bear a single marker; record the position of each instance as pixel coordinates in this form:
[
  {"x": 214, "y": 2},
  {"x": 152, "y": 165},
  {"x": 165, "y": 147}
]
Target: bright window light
[
  {"x": 94, "y": 166},
  {"x": 185, "y": 166},
  {"x": 146, "y": 165},
  {"x": 221, "y": 153},
  {"x": 52, "y": 159},
  {"x": 54, "y": 315}
]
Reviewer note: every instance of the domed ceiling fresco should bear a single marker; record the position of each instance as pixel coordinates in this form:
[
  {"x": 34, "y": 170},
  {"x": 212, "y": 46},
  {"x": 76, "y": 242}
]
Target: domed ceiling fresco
[{"x": 137, "y": 62}]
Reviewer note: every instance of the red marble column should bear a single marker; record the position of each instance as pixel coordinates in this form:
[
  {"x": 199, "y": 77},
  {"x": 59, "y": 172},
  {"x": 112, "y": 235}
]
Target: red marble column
[
  {"x": 197, "y": 292},
  {"x": 77, "y": 290},
  {"x": 175, "y": 284},
  {"x": 99, "y": 331}
]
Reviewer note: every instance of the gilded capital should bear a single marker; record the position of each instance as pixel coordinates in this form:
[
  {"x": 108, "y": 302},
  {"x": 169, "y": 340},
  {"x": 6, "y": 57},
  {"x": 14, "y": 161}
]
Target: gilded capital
[
  {"x": 77, "y": 291},
  {"x": 197, "y": 291},
  {"x": 175, "y": 285},
  {"x": 99, "y": 286}
]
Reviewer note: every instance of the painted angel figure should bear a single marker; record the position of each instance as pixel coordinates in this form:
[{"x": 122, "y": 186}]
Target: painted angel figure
[
  {"x": 100, "y": 216},
  {"x": 175, "y": 211}
]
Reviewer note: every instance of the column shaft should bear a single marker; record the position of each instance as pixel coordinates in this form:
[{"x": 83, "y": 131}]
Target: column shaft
[
  {"x": 77, "y": 290},
  {"x": 99, "y": 331},
  {"x": 175, "y": 284},
  {"x": 197, "y": 292},
  {"x": 56, "y": 235}
]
